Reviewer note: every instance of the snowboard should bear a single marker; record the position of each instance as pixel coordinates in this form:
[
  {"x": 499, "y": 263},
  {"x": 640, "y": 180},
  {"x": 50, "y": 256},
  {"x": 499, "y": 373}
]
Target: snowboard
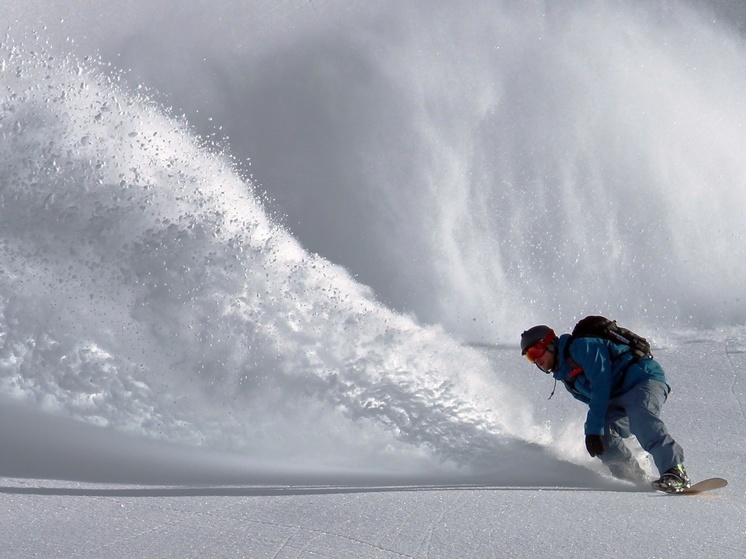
[{"x": 699, "y": 487}]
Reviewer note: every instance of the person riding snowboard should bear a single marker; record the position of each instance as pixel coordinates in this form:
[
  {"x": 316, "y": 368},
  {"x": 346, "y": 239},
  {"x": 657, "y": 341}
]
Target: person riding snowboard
[{"x": 624, "y": 395}]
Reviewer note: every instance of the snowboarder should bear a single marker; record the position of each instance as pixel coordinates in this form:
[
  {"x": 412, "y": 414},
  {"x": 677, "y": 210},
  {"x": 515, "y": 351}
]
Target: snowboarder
[{"x": 624, "y": 396}]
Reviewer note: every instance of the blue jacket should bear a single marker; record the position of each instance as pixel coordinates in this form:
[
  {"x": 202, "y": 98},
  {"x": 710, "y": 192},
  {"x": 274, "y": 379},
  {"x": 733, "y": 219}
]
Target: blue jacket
[{"x": 602, "y": 376}]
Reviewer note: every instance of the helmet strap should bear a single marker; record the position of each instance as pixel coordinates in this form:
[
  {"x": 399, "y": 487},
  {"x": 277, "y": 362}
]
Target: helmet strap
[{"x": 553, "y": 389}]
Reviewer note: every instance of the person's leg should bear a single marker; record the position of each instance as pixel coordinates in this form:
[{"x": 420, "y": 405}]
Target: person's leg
[
  {"x": 617, "y": 456},
  {"x": 643, "y": 405}
]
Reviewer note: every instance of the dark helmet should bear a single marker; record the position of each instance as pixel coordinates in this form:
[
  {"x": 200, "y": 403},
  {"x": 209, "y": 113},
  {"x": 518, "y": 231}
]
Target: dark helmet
[{"x": 535, "y": 335}]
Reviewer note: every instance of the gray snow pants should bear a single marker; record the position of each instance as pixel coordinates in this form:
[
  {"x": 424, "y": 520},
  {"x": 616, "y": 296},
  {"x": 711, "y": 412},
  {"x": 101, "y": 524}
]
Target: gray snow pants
[{"x": 636, "y": 412}]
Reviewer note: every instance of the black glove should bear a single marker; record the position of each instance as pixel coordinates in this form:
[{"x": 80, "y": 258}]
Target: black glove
[{"x": 594, "y": 444}]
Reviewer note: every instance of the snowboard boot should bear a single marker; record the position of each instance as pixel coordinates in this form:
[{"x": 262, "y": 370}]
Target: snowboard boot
[{"x": 673, "y": 480}]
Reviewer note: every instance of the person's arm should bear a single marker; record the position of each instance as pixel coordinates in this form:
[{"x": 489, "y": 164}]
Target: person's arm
[{"x": 593, "y": 356}]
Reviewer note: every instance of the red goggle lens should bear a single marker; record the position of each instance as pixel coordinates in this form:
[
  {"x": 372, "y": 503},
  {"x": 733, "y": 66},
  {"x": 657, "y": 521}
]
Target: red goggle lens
[{"x": 535, "y": 351}]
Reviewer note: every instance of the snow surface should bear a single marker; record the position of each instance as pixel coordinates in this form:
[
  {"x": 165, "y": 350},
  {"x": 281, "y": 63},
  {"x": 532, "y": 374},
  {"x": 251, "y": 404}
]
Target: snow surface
[{"x": 313, "y": 353}]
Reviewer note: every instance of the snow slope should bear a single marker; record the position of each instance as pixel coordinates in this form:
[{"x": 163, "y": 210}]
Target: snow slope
[
  {"x": 371, "y": 517},
  {"x": 313, "y": 353}
]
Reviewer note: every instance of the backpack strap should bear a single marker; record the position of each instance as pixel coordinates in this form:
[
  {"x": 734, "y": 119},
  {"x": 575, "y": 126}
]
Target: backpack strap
[{"x": 575, "y": 368}]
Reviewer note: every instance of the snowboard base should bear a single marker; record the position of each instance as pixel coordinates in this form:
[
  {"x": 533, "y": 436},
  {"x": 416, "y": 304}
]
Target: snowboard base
[{"x": 699, "y": 487}]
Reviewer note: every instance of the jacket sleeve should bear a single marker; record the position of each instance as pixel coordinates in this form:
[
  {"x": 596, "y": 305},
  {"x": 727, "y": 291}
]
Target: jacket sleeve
[{"x": 593, "y": 356}]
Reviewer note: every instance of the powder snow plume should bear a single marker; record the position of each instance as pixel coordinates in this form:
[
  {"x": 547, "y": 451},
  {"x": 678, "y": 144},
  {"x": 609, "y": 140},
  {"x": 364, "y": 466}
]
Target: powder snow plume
[{"x": 145, "y": 288}]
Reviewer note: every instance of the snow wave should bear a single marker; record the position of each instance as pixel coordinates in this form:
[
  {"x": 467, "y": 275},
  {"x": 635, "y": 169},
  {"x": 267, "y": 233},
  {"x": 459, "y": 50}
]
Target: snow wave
[{"x": 145, "y": 288}]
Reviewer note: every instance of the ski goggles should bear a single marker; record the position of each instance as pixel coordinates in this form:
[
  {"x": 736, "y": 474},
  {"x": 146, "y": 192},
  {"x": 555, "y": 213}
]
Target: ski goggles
[
  {"x": 539, "y": 348},
  {"x": 536, "y": 351}
]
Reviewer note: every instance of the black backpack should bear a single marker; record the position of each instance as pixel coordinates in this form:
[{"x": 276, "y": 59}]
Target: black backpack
[{"x": 602, "y": 327}]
